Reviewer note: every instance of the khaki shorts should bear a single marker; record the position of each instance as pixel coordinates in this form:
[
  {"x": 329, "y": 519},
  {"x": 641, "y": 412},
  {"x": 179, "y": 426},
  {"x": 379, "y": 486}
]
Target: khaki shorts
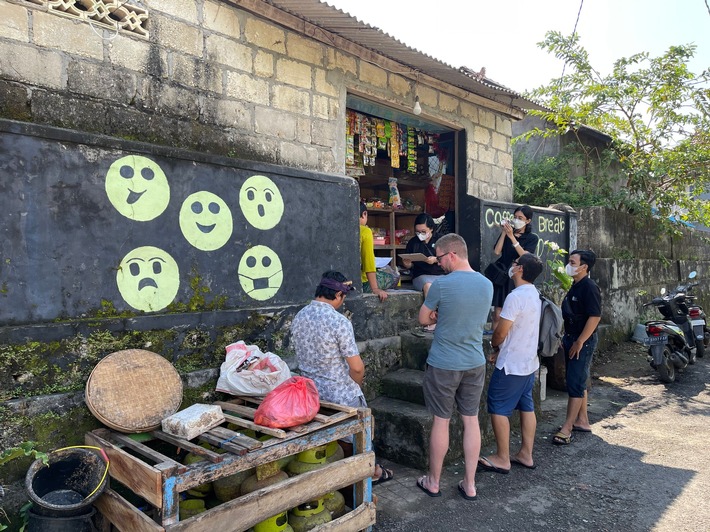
[{"x": 443, "y": 387}]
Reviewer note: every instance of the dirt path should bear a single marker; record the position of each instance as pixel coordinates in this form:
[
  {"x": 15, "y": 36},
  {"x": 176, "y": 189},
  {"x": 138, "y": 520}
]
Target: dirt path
[{"x": 645, "y": 467}]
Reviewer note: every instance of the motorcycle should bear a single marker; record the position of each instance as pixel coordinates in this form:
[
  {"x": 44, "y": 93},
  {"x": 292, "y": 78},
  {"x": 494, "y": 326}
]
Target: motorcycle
[{"x": 675, "y": 341}]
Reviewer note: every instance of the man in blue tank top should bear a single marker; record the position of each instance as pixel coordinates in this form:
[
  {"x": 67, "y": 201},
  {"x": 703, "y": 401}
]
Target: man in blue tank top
[{"x": 458, "y": 303}]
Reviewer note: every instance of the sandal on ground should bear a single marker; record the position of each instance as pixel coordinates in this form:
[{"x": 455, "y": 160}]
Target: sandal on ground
[
  {"x": 561, "y": 439},
  {"x": 387, "y": 475},
  {"x": 421, "y": 486}
]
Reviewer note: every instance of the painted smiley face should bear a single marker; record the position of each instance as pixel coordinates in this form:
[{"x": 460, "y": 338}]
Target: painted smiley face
[
  {"x": 206, "y": 221},
  {"x": 148, "y": 279},
  {"x": 261, "y": 202},
  {"x": 260, "y": 273},
  {"x": 137, "y": 188}
]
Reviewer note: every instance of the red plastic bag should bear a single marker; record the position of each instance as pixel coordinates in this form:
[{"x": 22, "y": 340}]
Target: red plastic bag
[{"x": 293, "y": 402}]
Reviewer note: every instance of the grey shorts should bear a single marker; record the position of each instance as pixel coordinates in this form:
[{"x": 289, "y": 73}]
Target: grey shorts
[{"x": 443, "y": 387}]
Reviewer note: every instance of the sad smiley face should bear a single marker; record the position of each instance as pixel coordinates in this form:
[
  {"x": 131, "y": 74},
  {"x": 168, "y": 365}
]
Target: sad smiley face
[
  {"x": 137, "y": 188},
  {"x": 148, "y": 279}
]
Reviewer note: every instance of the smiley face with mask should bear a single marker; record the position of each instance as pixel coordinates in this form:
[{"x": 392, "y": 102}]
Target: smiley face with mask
[{"x": 516, "y": 238}]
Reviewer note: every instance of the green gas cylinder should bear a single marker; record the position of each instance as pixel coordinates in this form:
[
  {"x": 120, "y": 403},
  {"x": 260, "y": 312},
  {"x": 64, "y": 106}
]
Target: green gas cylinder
[
  {"x": 228, "y": 488},
  {"x": 308, "y": 515},
  {"x": 277, "y": 523},
  {"x": 333, "y": 452},
  {"x": 334, "y": 502},
  {"x": 266, "y": 475},
  {"x": 190, "y": 507},
  {"x": 308, "y": 460}
]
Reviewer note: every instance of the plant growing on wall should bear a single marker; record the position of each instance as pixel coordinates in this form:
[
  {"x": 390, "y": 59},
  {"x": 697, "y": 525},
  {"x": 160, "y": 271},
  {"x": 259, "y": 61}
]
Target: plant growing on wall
[
  {"x": 26, "y": 448},
  {"x": 657, "y": 113}
]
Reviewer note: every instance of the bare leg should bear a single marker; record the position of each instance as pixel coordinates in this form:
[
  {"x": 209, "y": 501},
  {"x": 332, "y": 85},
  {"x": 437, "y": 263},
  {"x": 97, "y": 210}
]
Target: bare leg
[
  {"x": 438, "y": 447},
  {"x": 501, "y": 429},
  {"x": 528, "y": 425},
  {"x": 582, "y": 420},
  {"x": 471, "y": 451},
  {"x": 574, "y": 405}
]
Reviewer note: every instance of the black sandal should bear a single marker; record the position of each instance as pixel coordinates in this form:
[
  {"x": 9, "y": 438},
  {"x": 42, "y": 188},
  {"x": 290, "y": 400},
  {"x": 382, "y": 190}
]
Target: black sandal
[{"x": 387, "y": 475}]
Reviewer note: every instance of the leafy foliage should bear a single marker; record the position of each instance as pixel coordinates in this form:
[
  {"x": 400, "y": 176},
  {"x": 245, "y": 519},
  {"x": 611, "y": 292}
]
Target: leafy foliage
[
  {"x": 656, "y": 111},
  {"x": 556, "y": 286},
  {"x": 569, "y": 177}
]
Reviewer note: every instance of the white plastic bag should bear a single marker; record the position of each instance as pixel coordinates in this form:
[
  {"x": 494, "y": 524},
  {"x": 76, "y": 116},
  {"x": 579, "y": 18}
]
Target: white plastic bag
[{"x": 248, "y": 371}]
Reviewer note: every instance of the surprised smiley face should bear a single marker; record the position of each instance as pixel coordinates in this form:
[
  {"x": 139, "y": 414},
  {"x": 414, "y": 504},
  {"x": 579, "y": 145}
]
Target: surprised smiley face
[
  {"x": 206, "y": 221},
  {"x": 261, "y": 202}
]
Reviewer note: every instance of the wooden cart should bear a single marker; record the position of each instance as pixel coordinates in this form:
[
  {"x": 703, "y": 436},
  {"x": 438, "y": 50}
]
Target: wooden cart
[{"x": 160, "y": 480}]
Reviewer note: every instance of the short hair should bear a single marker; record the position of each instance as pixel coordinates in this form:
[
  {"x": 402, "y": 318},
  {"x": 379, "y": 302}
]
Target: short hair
[
  {"x": 363, "y": 208},
  {"x": 586, "y": 256},
  {"x": 425, "y": 219},
  {"x": 528, "y": 213},
  {"x": 324, "y": 291},
  {"x": 532, "y": 266},
  {"x": 453, "y": 242}
]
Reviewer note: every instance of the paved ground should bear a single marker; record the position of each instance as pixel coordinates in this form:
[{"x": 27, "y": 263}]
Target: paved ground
[{"x": 646, "y": 466}]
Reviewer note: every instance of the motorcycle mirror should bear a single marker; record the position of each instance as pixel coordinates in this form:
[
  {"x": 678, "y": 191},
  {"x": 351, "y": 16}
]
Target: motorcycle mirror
[
  {"x": 692, "y": 275},
  {"x": 663, "y": 291}
]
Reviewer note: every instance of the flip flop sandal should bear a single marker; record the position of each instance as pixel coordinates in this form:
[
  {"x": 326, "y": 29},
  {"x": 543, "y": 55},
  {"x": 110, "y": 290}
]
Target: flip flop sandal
[
  {"x": 561, "y": 439},
  {"x": 420, "y": 485},
  {"x": 386, "y": 476},
  {"x": 463, "y": 494},
  {"x": 519, "y": 463}
]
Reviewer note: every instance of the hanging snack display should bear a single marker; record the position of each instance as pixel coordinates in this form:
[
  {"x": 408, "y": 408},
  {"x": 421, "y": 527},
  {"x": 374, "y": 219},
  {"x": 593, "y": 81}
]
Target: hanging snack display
[{"x": 411, "y": 150}]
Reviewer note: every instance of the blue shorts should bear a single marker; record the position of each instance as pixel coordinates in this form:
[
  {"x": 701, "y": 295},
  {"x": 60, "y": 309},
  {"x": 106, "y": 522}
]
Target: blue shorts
[
  {"x": 577, "y": 369},
  {"x": 510, "y": 392}
]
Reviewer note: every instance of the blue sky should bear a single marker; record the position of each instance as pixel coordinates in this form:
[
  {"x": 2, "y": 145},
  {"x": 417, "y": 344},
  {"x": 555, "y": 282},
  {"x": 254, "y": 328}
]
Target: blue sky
[{"x": 502, "y": 34}]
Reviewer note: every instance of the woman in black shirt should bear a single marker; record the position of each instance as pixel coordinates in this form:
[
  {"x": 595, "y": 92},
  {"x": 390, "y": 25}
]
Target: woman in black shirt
[
  {"x": 515, "y": 240},
  {"x": 423, "y": 272}
]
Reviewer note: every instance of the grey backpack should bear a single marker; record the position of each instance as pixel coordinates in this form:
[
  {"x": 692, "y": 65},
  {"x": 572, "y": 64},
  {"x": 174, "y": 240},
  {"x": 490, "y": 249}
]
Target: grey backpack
[{"x": 551, "y": 324}]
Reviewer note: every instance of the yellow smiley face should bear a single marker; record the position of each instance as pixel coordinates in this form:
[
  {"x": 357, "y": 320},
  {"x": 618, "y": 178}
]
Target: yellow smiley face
[
  {"x": 206, "y": 221},
  {"x": 137, "y": 188},
  {"x": 148, "y": 279},
  {"x": 260, "y": 273},
  {"x": 261, "y": 202}
]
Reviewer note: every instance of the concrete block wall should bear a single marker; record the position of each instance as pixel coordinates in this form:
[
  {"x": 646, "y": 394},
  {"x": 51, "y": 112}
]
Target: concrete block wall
[
  {"x": 636, "y": 258},
  {"x": 206, "y": 75}
]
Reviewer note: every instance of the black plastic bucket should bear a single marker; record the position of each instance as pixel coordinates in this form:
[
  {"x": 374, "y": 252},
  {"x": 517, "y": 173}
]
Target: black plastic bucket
[
  {"x": 75, "y": 523},
  {"x": 68, "y": 486}
]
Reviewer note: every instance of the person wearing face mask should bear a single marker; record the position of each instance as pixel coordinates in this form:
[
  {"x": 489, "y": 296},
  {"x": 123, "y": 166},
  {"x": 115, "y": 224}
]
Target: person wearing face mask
[
  {"x": 581, "y": 310},
  {"x": 516, "y": 238},
  {"x": 423, "y": 272},
  {"x": 514, "y": 346}
]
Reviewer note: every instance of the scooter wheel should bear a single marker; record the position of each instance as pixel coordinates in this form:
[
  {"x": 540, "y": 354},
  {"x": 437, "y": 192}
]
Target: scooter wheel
[{"x": 666, "y": 370}]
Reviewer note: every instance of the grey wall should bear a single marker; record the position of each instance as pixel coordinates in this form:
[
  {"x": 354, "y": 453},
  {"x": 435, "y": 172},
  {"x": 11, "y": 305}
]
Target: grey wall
[{"x": 72, "y": 223}]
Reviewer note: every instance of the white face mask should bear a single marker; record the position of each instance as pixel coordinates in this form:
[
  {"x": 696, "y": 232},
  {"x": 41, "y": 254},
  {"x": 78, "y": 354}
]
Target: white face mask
[
  {"x": 511, "y": 272},
  {"x": 571, "y": 270},
  {"x": 518, "y": 224},
  {"x": 422, "y": 236}
]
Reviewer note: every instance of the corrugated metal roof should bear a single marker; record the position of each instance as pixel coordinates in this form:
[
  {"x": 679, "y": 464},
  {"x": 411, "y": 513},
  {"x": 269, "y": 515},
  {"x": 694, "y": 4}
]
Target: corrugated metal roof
[{"x": 349, "y": 27}]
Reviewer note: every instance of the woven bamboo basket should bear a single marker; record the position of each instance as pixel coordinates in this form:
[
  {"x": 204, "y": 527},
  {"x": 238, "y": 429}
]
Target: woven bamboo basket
[{"x": 133, "y": 390}]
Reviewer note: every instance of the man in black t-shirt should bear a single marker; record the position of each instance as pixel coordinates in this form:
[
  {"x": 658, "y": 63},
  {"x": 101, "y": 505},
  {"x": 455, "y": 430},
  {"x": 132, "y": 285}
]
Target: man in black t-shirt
[{"x": 581, "y": 310}]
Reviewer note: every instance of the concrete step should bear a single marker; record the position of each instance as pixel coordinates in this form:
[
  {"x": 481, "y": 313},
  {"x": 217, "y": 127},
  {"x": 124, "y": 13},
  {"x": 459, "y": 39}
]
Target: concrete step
[
  {"x": 404, "y": 384},
  {"x": 415, "y": 349},
  {"x": 403, "y": 429}
]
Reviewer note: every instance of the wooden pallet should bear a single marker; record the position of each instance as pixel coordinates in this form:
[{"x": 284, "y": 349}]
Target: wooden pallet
[{"x": 159, "y": 479}]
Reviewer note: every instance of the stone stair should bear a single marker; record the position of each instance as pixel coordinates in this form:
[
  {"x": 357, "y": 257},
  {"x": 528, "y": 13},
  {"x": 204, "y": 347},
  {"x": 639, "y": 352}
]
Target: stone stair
[{"x": 402, "y": 422}]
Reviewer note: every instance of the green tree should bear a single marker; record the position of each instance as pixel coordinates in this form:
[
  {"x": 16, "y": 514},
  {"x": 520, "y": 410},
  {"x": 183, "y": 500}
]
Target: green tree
[{"x": 655, "y": 110}]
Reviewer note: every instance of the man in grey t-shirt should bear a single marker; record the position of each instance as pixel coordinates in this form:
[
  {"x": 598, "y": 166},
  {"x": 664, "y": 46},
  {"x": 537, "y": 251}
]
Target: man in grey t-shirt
[{"x": 458, "y": 303}]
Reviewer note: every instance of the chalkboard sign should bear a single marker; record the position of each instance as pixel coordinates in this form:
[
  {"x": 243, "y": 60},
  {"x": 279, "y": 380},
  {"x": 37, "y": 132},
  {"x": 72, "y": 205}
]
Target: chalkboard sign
[
  {"x": 483, "y": 222},
  {"x": 90, "y": 221}
]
